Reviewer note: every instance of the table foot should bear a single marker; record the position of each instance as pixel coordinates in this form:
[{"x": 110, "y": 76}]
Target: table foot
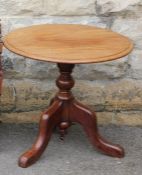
[
  {"x": 48, "y": 121},
  {"x": 87, "y": 119}
]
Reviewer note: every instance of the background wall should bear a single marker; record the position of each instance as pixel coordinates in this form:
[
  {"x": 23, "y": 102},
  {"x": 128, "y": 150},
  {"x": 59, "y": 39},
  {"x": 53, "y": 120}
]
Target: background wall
[{"x": 114, "y": 89}]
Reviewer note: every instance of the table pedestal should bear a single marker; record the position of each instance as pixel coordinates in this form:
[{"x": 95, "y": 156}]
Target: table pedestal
[{"x": 64, "y": 110}]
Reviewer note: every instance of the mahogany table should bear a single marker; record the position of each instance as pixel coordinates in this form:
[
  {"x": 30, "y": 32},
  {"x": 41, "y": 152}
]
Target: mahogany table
[{"x": 67, "y": 45}]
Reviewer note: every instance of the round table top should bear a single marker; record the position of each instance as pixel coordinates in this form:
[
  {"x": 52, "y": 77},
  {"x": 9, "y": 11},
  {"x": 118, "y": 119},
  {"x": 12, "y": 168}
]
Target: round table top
[{"x": 68, "y": 43}]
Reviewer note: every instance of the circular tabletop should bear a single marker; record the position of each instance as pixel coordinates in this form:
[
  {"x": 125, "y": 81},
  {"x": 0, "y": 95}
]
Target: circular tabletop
[{"x": 68, "y": 43}]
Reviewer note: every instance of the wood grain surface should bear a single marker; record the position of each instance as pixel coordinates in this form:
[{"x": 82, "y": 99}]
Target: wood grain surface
[{"x": 68, "y": 43}]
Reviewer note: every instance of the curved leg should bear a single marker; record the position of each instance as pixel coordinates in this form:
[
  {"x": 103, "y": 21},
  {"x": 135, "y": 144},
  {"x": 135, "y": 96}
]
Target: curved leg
[
  {"x": 85, "y": 117},
  {"x": 48, "y": 121}
]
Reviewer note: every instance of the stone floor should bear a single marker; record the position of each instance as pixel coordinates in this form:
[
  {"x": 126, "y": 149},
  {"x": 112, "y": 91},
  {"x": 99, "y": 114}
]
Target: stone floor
[{"x": 74, "y": 156}]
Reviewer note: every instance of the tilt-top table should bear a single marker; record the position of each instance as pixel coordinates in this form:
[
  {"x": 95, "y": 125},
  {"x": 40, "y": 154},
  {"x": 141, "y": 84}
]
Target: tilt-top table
[{"x": 67, "y": 45}]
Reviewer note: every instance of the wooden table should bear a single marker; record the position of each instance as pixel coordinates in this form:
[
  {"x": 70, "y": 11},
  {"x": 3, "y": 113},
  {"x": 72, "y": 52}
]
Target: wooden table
[{"x": 67, "y": 45}]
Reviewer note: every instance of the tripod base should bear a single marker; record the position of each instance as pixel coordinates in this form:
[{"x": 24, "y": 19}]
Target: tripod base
[{"x": 64, "y": 110}]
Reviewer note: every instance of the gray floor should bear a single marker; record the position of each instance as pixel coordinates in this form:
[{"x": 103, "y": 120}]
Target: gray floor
[{"x": 74, "y": 156}]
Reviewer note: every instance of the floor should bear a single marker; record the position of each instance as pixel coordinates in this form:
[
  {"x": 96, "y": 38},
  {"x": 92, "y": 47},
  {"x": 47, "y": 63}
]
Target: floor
[{"x": 74, "y": 156}]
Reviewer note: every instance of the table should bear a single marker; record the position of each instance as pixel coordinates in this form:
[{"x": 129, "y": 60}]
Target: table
[{"x": 67, "y": 45}]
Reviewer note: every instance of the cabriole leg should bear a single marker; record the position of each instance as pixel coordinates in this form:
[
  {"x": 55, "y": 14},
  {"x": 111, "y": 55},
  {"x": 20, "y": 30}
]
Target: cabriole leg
[{"x": 48, "y": 121}]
